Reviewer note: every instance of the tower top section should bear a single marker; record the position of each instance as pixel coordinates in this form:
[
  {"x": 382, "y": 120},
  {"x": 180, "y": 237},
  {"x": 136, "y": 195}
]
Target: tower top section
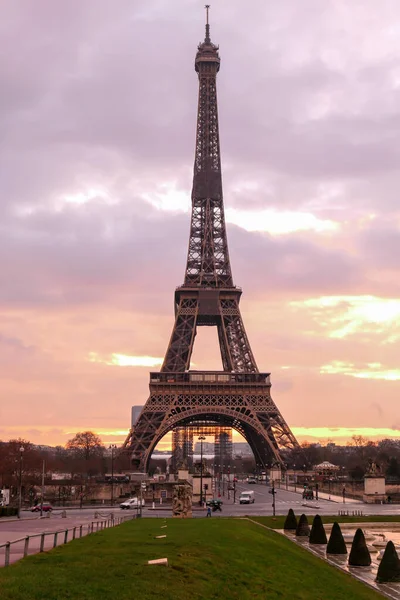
[{"x": 207, "y": 52}]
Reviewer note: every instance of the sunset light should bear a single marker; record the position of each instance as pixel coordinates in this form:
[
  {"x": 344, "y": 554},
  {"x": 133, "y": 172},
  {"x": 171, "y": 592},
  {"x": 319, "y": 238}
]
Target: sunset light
[
  {"x": 123, "y": 360},
  {"x": 342, "y": 316}
]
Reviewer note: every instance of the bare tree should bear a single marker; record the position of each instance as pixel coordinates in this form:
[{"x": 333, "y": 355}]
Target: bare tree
[{"x": 87, "y": 444}]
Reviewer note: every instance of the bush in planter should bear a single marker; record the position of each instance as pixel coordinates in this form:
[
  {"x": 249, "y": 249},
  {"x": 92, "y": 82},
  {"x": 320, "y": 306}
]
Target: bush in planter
[
  {"x": 303, "y": 528},
  {"x": 336, "y": 544},
  {"x": 317, "y": 534},
  {"x": 389, "y": 567},
  {"x": 8, "y": 511},
  {"x": 359, "y": 553},
  {"x": 290, "y": 521}
]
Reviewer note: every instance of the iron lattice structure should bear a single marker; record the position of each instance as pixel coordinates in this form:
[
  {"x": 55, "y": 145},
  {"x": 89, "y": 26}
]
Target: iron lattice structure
[{"x": 239, "y": 396}]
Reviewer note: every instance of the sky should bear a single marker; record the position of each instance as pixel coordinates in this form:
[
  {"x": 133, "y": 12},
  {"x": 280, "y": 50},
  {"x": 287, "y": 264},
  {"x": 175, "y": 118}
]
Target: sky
[{"x": 97, "y": 130}]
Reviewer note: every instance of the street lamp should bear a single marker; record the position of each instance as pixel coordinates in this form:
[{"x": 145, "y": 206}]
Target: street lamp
[
  {"x": 21, "y": 452},
  {"x": 42, "y": 494},
  {"x": 201, "y": 440},
  {"x": 112, "y": 447},
  {"x": 273, "y": 492}
]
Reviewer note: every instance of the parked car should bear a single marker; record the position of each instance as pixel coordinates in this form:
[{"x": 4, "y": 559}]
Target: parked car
[
  {"x": 47, "y": 507},
  {"x": 131, "y": 503}
]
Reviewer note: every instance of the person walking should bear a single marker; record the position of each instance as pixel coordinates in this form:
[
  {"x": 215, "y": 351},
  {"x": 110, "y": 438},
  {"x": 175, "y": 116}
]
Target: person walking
[{"x": 209, "y": 511}]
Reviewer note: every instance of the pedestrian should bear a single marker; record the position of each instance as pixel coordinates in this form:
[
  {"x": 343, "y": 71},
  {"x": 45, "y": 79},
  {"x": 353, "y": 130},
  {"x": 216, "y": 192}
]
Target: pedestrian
[{"x": 209, "y": 511}]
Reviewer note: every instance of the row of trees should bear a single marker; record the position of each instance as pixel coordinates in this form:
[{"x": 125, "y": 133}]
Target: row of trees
[
  {"x": 86, "y": 457},
  {"x": 353, "y": 458}
]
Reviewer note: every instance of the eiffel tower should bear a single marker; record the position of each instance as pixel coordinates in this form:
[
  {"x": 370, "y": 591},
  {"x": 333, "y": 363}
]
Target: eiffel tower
[{"x": 239, "y": 395}]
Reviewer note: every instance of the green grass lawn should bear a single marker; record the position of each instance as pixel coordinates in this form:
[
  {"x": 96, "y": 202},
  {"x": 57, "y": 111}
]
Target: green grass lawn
[
  {"x": 208, "y": 559},
  {"x": 277, "y": 522}
]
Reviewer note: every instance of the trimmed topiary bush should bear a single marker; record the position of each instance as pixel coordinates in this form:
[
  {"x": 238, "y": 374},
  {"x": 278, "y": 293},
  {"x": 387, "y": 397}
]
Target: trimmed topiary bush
[
  {"x": 317, "y": 534},
  {"x": 336, "y": 544},
  {"x": 359, "y": 553},
  {"x": 303, "y": 528},
  {"x": 290, "y": 521},
  {"x": 389, "y": 567}
]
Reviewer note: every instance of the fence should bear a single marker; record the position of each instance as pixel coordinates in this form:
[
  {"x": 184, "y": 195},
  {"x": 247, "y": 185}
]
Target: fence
[{"x": 58, "y": 537}]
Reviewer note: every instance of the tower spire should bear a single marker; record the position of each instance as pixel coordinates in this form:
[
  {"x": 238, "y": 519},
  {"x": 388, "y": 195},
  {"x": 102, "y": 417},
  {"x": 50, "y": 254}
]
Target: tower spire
[{"x": 207, "y": 38}]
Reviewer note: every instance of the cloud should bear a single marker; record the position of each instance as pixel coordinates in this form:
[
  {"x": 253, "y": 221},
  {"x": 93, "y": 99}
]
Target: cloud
[
  {"x": 97, "y": 125},
  {"x": 122, "y": 360},
  {"x": 369, "y": 371},
  {"x": 343, "y": 316}
]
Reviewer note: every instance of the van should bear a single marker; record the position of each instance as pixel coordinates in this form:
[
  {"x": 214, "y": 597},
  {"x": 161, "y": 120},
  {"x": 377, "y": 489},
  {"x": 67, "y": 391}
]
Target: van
[
  {"x": 246, "y": 498},
  {"x": 131, "y": 503}
]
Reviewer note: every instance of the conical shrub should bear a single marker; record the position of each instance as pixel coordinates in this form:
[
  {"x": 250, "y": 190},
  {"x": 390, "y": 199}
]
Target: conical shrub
[
  {"x": 303, "y": 528},
  {"x": 317, "y": 534},
  {"x": 336, "y": 544},
  {"x": 389, "y": 567},
  {"x": 359, "y": 553},
  {"x": 290, "y": 521}
]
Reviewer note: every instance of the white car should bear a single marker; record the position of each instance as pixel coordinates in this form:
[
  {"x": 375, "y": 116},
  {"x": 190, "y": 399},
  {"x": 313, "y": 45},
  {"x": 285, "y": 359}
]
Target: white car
[{"x": 131, "y": 503}]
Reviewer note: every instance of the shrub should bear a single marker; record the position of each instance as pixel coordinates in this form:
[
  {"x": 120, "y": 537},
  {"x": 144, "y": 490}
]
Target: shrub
[
  {"x": 8, "y": 511},
  {"x": 290, "y": 521},
  {"x": 317, "y": 535},
  {"x": 359, "y": 553},
  {"x": 336, "y": 544},
  {"x": 303, "y": 528},
  {"x": 389, "y": 568}
]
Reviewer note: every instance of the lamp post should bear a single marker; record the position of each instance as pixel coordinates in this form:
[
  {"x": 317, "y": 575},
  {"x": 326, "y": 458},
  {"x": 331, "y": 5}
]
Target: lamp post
[
  {"x": 42, "y": 496},
  {"x": 201, "y": 440},
  {"x": 21, "y": 452},
  {"x": 273, "y": 492},
  {"x": 112, "y": 448}
]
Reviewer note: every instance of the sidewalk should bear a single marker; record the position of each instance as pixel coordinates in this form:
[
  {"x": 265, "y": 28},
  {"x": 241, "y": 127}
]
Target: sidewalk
[{"x": 321, "y": 495}]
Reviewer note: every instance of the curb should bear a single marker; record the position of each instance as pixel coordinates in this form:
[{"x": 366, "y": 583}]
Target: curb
[{"x": 7, "y": 520}]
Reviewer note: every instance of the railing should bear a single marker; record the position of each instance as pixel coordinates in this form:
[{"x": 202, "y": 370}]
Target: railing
[
  {"x": 77, "y": 531},
  {"x": 210, "y": 377}
]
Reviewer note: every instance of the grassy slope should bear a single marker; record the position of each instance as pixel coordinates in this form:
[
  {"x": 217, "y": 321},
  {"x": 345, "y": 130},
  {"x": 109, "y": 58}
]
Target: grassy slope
[
  {"x": 209, "y": 559},
  {"x": 277, "y": 522}
]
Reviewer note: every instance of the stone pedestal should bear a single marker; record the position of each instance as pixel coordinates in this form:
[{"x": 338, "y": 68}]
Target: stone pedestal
[
  {"x": 207, "y": 493},
  {"x": 374, "y": 489},
  {"x": 275, "y": 473},
  {"x": 183, "y": 475}
]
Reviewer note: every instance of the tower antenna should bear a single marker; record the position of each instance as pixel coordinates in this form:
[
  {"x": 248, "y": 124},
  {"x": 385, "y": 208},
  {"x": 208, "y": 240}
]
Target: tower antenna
[{"x": 207, "y": 38}]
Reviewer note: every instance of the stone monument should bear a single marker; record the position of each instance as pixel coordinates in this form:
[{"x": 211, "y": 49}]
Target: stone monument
[
  {"x": 374, "y": 484},
  {"x": 182, "y": 501}
]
